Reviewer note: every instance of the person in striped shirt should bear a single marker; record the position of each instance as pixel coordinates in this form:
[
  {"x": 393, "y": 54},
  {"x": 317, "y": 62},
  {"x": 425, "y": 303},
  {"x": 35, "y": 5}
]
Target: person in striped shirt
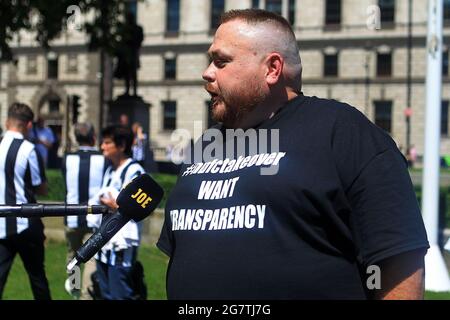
[
  {"x": 83, "y": 172},
  {"x": 22, "y": 176},
  {"x": 117, "y": 259}
]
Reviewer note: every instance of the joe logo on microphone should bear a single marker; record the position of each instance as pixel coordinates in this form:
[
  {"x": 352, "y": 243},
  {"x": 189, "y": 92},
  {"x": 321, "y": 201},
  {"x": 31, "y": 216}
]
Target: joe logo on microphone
[{"x": 141, "y": 198}]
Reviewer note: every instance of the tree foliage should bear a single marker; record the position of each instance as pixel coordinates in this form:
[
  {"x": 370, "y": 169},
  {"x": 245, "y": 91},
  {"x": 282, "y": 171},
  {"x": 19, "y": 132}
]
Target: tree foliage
[{"x": 49, "y": 18}]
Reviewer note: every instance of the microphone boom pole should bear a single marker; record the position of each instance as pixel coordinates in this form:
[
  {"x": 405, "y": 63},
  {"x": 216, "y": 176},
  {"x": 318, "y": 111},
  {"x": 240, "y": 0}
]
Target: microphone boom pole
[{"x": 51, "y": 210}]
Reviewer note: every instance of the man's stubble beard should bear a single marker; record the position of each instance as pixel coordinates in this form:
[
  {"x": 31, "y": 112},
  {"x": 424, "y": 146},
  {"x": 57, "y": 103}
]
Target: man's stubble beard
[{"x": 237, "y": 104}]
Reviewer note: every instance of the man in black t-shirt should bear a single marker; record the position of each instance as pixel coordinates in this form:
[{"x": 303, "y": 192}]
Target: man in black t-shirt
[{"x": 322, "y": 208}]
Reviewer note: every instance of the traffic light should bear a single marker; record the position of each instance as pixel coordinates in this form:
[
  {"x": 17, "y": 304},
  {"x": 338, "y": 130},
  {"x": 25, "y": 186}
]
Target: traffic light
[{"x": 75, "y": 108}]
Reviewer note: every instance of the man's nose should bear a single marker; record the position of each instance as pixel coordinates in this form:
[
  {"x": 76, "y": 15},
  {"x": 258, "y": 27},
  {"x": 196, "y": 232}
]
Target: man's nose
[{"x": 209, "y": 73}]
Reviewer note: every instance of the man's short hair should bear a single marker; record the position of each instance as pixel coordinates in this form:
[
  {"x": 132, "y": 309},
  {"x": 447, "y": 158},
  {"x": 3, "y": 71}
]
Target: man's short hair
[
  {"x": 84, "y": 133},
  {"x": 282, "y": 39},
  {"x": 122, "y": 137},
  {"x": 255, "y": 16},
  {"x": 21, "y": 112}
]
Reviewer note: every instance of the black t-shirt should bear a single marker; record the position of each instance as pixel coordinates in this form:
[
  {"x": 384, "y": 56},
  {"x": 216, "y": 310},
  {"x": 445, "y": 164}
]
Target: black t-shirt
[{"x": 341, "y": 199}]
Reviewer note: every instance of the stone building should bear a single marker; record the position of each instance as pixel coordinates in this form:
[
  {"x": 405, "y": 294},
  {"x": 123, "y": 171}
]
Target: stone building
[{"x": 346, "y": 56}]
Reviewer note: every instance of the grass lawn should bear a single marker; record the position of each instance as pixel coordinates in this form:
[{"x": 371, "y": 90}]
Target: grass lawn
[
  {"x": 18, "y": 287},
  {"x": 437, "y": 295}
]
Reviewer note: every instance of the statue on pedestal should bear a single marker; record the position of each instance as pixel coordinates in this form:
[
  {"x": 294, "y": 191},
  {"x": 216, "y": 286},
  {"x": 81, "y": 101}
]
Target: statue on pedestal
[
  {"x": 132, "y": 36},
  {"x": 129, "y": 104}
]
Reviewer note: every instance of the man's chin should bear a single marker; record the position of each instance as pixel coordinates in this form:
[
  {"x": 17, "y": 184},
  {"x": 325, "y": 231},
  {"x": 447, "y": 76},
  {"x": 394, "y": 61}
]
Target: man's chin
[
  {"x": 218, "y": 112},
  {"x": 223, "y": 114}
]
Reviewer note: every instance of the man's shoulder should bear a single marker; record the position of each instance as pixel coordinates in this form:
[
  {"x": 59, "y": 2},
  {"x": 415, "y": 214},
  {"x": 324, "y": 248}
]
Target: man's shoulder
[
  {"x": 325, "y": 111},
  {"x": 337, "y": 110},
  {"x": 135, "y": 167},
  {"x": 352, "y": 123},
  {"x": 26, "y": 149},
  {"x": 331, "y": 105},
  {"x": 132, "y": 170},
  {"x": 29, "y": 146}
]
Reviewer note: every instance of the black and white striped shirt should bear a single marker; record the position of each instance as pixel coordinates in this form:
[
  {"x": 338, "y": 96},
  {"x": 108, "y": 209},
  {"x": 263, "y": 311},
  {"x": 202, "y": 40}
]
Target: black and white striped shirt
[
  {"x": 21, "y": 169},
  {"x": 83, "y": 172},
  {"x": 122, "y": 248}
]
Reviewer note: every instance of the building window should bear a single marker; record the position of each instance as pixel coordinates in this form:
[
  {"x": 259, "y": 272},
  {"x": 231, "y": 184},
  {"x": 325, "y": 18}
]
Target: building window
[
  {"x": 444, "y": 118},
  {"x": 132, "y": 8},
  {"x": 52, "y": 67},
  {"x": 445, "y": 64},
  {"x": 387, "y": 10},
  {"x": 330, "y": 66},
  {"x": 53, "y": 106},
  {"x": 31, "y": 65},
  {"x": 169, "y": 115},
  {"x": 332, "y": 12},
  {"x": 384, "y": 64},
  {"x": 291, "y": 12},
  {"x": 275, "y": 6},
  {"x": 170, "y": 68},
  {"x": 173, "y": 17},
  {"x": 383, "y": 115},
  {"x": 72, "y": 63},
  {"x": 278, "y": 7},
  {"x": 217, "y": 8},
  {"x": 209, "y": 120},
  {"x": 447, "y": 12}
]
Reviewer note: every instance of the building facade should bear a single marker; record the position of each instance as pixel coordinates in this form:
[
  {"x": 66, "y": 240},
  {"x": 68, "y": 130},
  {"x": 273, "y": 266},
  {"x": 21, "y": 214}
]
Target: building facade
[{"x": 368, "y": 53}]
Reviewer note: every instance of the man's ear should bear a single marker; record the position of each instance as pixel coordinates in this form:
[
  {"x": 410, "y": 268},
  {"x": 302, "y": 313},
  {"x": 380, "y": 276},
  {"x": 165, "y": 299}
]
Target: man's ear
[
  {"x": 274, "y": 64},
  {"x": 29, "y": 125}
]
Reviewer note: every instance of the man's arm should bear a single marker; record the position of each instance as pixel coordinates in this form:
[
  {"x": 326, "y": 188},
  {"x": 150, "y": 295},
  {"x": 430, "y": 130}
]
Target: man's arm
[
  {"x": 402, "y": 276},
  {"x": 45, "y": 143},
  {"x": 36, "y": 169},
  {"x": 47, "y": 138}
]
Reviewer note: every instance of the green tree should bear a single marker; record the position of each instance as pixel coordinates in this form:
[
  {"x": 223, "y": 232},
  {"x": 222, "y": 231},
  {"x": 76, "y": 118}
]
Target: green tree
[{"x": 49, "y": 18}]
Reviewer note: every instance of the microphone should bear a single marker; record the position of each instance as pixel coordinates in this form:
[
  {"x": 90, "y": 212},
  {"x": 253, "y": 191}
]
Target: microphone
[
  {"x": 51, "y": 210},
  {"x": 136, "y": 201}
]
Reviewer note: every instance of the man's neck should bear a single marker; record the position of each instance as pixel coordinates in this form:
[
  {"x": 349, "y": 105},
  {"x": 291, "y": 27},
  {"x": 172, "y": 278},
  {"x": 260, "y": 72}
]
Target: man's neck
[
  {"x": 264, "y": 111},
  {"x": 18, "y": 130},
  {"x": 119, "y": 161}
]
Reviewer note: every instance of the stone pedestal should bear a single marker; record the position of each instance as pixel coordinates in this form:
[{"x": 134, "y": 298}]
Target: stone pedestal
[{"x": 133, "y": 106}]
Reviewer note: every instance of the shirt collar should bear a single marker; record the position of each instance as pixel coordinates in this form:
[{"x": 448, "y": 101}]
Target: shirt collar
[
  {"x": 122, "y": 166},
  {"x": 87, "y": 148},
  {"x": 13, "y": 134}
]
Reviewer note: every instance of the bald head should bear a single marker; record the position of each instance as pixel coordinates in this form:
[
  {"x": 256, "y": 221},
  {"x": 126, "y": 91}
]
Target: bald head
[{"x": 266, "y": 33}]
